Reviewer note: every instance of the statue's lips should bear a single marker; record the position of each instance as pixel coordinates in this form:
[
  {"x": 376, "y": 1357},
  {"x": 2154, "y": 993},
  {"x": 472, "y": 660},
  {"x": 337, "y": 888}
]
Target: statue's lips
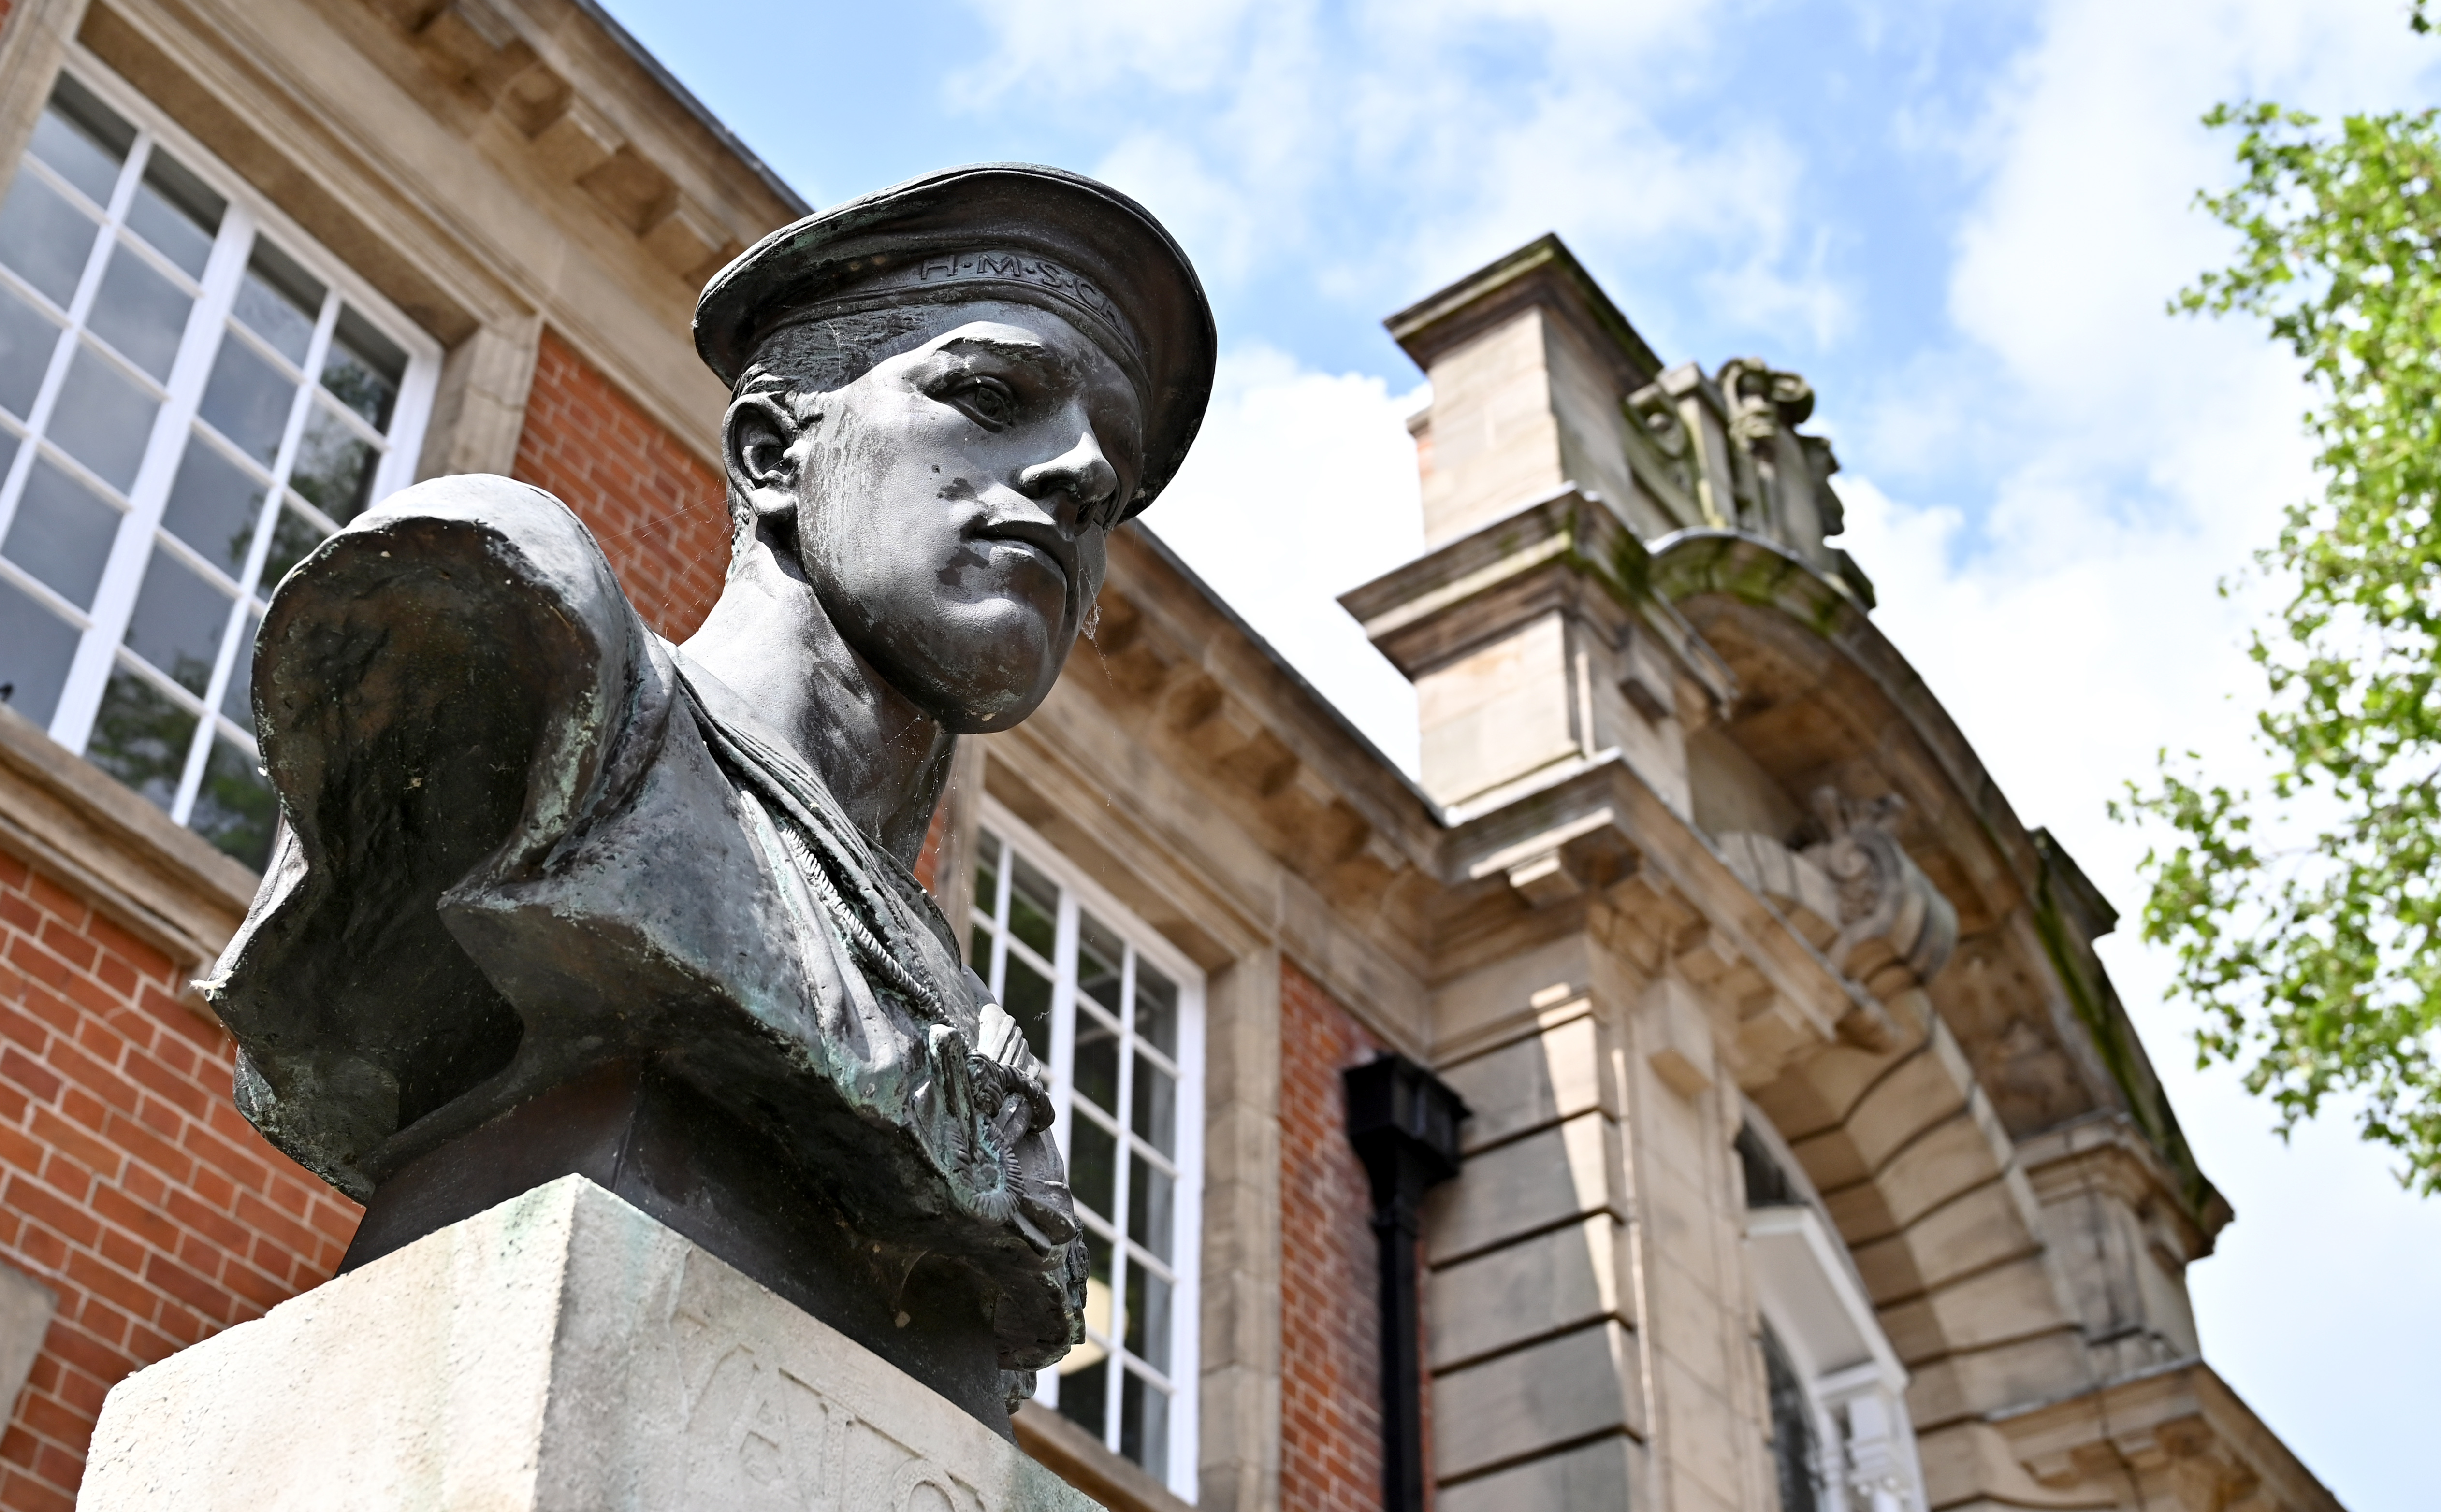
[{"x": 1025, "y": 546}]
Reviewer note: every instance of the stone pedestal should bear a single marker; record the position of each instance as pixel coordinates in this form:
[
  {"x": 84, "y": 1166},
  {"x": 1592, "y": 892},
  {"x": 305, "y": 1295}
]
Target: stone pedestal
[{"x": 562, "y": 1350}]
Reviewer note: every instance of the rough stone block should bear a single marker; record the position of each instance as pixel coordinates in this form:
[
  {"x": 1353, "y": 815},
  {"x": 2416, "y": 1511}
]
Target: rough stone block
[
  {"x": 1922, "y": 1091},
  {"x": 1678, "y": 1036},
  {"x": 1537, "y": 1182},
  {"x": 1590, "y": 1478},
  {"x": 2018, "y": 1299},
  {"x": 1498, "y": 712},
  {"x": 1978, "y": 1230},
  {"x": 1563, "y": 1279},
  {"x": 1970, "y": 1384},
  {"x": 1705, "y": 1436},
  {"x": 1565, "y": 1389},
  {"x": 1530, "y": 1084},
  {"x": 26, "y": 1309},
  {"x": 1936, "y": 1166},
  {"x": 561, "y": 1351}
]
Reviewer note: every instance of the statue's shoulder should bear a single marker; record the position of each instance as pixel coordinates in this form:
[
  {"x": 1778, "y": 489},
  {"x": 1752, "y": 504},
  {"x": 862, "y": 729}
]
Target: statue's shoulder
[
  {"x": 466, "y": 613},
  {"x": 527, "y": 533}
]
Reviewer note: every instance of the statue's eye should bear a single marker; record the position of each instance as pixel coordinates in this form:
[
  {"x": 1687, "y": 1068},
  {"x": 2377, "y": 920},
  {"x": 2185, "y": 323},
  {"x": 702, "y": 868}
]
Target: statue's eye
[{"x": 988, "y": 399}]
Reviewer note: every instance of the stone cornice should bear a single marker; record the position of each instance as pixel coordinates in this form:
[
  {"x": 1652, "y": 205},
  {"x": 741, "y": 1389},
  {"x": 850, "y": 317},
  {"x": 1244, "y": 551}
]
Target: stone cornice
[
  {"x": 163, "y": 883},
  {"x": 2176, "y": 1429}
]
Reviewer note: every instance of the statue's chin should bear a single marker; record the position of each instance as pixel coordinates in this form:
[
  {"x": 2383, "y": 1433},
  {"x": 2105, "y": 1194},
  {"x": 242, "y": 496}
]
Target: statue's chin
[{"x": 974, "y": 693}]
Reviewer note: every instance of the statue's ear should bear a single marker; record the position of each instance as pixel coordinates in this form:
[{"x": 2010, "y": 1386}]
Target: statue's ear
[{"x": 757, "y": 438}]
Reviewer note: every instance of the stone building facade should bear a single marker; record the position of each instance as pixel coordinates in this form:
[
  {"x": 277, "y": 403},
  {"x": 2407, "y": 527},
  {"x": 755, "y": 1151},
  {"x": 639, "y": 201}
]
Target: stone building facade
[{"x": 1811, "y": 1163}]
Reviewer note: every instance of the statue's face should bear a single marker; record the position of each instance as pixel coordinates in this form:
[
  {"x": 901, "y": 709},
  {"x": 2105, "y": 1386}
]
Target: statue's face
[{"x": 953, "y": 504}]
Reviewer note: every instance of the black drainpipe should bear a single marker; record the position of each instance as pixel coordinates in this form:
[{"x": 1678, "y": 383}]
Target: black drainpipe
[{"x": 1404, "y": 1122}]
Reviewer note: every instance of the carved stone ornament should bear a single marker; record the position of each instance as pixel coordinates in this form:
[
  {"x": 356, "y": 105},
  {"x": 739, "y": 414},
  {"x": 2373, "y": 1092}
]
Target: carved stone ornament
[
  {"x": 1896, "y": 931},
  {"x": 553, "y": 895},
  {"x": 1854, "y": 895}
]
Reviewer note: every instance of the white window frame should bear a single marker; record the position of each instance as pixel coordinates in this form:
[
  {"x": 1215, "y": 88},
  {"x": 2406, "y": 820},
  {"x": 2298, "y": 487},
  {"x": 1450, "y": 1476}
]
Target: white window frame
[
  {"x": 248, "y": 215},
  {"x": 1810, "y": 1294},
  {"x": 1078, "y": 891}
]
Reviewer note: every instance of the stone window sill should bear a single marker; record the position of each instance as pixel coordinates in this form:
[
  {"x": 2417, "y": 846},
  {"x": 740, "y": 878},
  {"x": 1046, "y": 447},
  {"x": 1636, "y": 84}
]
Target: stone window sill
[
  {"x": 160, "y": 880},
  {"x": 1079, "y": 1459}
]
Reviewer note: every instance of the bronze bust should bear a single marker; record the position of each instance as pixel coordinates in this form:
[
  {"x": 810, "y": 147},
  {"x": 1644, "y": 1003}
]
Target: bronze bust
[{"x": 555, "y": 895}]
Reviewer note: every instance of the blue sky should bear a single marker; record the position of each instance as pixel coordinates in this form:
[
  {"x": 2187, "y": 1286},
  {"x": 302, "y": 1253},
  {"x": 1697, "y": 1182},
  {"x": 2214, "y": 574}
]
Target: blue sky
[{"x": 1960, "y": 220}]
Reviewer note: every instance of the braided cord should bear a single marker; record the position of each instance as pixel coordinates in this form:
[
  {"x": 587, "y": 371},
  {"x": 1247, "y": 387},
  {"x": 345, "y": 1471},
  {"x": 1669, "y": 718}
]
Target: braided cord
[{"x": 816, "y": 844}]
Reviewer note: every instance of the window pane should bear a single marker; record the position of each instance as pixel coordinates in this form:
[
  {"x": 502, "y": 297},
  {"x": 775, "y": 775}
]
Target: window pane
[
  {"x": 335, "y": 468},
  {"x": 1143, "y": 1423},
  {"x": 27, "y": 340},
  {"x": 1093, "y": 1164},
  {"x": 84, "y": 138},
  {"x": 363, "y": 369},
  {"x": 178, "y": 621},
  {"x": 213, "y": 506},
  {"x": 141, "y": 737},
  {"x": 234, "y": 808},
  {"x": 178, "y": 213},
  {"x": 292, "y": 540},
  {"x": 1155, "y": 1095},
  {"x": 1148, "y": 1316},
  {"x": 1149, "y": 1202},
  {"x": 1033, "y": 906},
  {"x": 247, "y": 399},
  {"x": 1098, "y": 954},
  {"x": 140, "y": 313},
  {"x": 1085, "y": 1392},
  {"x": 1157, "y": 1009},
  {"x": 103, "y": 418},
  {"x": 62, "y": 533},
  {"x": 987, "y": 881},
  {"x": 35, "y": 647},
  {"x": 279, "y": 301},
  {"x": 1028, "y": 1001},
  {"x": 238, "y": 701},
  {"x": 1098, "y": 1285},
  {"x": 1098, "y": 1062},
  {"x": 1792, "y": 1429},
  {"x": 45, "y": 238}
]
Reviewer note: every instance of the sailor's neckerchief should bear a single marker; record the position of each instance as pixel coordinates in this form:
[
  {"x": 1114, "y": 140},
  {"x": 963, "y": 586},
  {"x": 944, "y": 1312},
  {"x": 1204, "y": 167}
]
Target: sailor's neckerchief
[{"x": 877, "y": 925}]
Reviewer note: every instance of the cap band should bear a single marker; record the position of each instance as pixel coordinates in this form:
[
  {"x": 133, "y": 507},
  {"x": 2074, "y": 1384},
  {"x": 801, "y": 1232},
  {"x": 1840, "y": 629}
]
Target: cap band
[{"x": 940, "y": 272}]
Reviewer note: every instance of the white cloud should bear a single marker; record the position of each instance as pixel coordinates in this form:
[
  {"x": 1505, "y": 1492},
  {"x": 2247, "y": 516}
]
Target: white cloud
[
  {"x": 1301, "y": 486},
  {"x": 1393, "y": 147}
]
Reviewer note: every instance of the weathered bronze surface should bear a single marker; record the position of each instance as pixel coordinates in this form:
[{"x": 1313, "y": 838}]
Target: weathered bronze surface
[{"x": 553, "y": 894}]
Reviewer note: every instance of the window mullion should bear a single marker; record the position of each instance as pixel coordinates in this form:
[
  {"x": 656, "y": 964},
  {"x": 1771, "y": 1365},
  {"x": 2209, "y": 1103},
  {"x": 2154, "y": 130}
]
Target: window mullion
[
  {"x": 191, "y": 777},
  {"x": 1000, "y": 921},
  {"x": 1061, "y": 1062},
  {"x": 55, "y": 375},
  {"x": 301, "y": 410},
  {"x": 122, "y": 578},
  {"x": 150, "y": 496},
  {"x": 222, "y": 276},
  {"x": 1122, "y": 1198},
  {"x": 114, "y": 595}
]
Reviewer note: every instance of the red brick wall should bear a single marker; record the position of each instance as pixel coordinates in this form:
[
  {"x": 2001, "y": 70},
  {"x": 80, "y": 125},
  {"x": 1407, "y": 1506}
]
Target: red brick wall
[
  {"x": 1330, "y": 1387},
  {"x": 660, "y": 512},
  {"x": 129, "y": 1185}
]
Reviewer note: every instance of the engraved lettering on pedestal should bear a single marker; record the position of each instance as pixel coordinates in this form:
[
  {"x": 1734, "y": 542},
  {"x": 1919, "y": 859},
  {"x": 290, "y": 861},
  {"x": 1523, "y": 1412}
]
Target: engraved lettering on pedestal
[{"x": 758, "y": 1435}]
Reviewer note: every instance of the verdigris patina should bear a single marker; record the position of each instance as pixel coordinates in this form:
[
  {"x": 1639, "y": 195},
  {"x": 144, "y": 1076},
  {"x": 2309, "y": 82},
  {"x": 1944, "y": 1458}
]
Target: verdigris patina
[{"x": 555, "y": 895}]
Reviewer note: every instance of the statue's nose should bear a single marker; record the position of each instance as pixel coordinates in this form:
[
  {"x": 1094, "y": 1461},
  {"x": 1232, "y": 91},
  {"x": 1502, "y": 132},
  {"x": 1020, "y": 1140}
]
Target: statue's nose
[{"x": 1081, "y": 472}]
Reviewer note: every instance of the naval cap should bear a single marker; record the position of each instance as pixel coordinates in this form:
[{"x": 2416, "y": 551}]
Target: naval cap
[{"x": 992, "y": 231}]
